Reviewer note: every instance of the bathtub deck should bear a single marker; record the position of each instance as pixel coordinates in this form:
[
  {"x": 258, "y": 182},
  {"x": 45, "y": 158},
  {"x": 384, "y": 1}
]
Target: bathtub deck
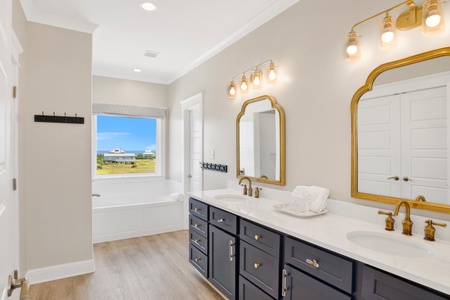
[{"x": 153, "y": 267}]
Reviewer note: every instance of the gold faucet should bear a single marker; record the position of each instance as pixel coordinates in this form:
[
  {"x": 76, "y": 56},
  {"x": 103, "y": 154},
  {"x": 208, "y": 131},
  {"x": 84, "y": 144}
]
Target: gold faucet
[
  {"x": 421, "y": 198},
  {"x": 407, "y": 223},
  {"x": 430, "y": 230},
  {"x": 257, "y": 189},
  {"x": 389, "y": 220},
  {"x": 250, "y": 189}
]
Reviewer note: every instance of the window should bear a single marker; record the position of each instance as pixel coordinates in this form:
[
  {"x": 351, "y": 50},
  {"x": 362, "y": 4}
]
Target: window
[{"x": 126, "y": 142}]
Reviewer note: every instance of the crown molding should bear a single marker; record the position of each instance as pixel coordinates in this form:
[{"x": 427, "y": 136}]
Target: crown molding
[{"x": 34, "y": 16}]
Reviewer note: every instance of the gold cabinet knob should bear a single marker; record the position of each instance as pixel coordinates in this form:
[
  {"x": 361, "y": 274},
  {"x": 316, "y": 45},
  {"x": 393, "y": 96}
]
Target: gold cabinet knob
[
  {"x": 197, "y": 259},
  {"x": 257, "y": 237},
  {"x": 256, "y": 265},
  {"x": 197, "y": 241},
  {"x": 196, "y": 225},
  {"x": 196, "y": 209}
]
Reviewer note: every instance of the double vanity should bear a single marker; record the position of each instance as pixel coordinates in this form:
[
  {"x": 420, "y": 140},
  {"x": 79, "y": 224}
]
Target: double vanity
[{"x": 249, "y": 250}]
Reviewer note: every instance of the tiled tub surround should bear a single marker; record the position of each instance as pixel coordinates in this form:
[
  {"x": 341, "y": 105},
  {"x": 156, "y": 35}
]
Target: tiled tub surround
[{"x": 330, "y": 232}]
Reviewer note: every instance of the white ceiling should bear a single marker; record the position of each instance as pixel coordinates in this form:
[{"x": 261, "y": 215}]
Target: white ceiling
[{"x": 185, "y": 33}]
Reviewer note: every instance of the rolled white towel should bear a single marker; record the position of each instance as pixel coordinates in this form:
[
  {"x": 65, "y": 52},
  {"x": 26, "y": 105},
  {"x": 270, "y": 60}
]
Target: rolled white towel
[
  {"x": 177, "y": 196},
  {"x": 301, "y": 190},
  {"x": 319, "y": 197}
]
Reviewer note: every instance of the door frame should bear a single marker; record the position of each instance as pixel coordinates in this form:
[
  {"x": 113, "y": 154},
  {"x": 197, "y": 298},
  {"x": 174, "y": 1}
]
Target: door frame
[{"x": 188, "y": 104}]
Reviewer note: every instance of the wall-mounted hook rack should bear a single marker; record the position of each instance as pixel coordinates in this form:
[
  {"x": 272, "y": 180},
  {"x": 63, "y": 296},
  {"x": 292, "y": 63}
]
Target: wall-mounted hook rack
[
  {"x": 214, "y": 167},
  {"x": 59, "y": 119}
]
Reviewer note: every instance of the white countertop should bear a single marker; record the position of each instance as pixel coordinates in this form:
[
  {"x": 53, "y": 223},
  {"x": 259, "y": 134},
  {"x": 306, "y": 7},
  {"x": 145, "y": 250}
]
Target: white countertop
[{"x": 329, "y": 231}]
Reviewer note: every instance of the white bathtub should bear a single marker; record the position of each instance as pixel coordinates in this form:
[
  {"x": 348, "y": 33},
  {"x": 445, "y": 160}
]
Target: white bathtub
[{"x": 134, "y": 207}]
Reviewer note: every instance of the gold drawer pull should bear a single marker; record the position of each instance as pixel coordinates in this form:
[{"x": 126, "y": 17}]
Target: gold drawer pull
[
  {"x": 197, "y": 259},
  {"x": 197, "y": 241},
  {"x": 257, "y": 237},
  {"x": 312, "y": 262},
  {"x": 221, "y": 220},
  {"x": 196, "y": 225},
  {"x": 256, "y": 265},
  {"x": 197, "y": 209}
]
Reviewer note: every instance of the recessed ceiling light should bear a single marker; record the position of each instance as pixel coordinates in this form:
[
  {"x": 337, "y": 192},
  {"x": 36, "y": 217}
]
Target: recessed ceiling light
[
  {"x": 137, "y": 70},
  {"x": 148, "y": 6}
]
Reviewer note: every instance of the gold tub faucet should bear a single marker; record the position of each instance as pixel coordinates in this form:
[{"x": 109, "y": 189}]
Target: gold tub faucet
[
  {"x": 250, "y": 189},
  {"x": 407, "y": 223}
]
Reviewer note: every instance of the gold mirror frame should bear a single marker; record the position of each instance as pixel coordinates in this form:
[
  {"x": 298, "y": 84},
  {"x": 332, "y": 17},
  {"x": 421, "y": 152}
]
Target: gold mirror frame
[
  {"x": 441, "y": 52},
  {"x": 282, "y": 133}
]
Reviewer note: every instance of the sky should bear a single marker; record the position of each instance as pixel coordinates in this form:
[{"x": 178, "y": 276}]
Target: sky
[{"x": 126, "y": 133}]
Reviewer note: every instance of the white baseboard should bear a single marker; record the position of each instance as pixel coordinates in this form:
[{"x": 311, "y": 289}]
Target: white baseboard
[
  {"x": 136, "y": 233},
  {"x": 60, "y": 271}
]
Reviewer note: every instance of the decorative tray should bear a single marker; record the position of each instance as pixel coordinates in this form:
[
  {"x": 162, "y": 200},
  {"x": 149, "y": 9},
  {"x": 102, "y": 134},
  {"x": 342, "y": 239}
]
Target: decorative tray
[{"x": 285, "y": 208}]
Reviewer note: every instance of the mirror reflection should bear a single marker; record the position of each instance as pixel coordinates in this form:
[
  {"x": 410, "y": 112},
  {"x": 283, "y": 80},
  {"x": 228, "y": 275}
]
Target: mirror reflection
[
  {"x": 400, "y": 134},
  {"x": 260, "y": 141}
]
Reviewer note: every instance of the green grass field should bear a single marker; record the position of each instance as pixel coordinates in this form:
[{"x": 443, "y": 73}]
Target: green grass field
[{"x": 140, "y": 166}]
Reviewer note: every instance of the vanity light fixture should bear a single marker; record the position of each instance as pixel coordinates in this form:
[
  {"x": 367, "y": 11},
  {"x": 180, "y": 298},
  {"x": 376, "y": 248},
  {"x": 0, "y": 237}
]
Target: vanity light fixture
[
  {"x": 256, "y": 78},
  {"x": 429, "y": 16}
]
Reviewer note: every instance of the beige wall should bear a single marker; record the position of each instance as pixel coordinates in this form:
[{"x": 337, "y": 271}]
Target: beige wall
[
  {"x": 129, "y": 92},
  {"x": 315, "y": 88},
  {"x": 55, "y": 171}
]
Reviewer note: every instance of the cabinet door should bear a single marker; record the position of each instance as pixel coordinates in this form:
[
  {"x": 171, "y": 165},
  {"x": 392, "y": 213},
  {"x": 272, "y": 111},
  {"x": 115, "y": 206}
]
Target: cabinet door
[
  {"x": 223, "y": 261},
  {"x": 301, "y": 286},
  {"x": 378, "y": 285},
  {"x": 248, "y": 291}
]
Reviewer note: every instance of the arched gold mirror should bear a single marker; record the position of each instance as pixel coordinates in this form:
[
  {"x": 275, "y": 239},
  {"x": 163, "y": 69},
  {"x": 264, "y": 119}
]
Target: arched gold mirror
[
  {"x": 400, "y": 133},
  {"x": 260, "y": 141}
]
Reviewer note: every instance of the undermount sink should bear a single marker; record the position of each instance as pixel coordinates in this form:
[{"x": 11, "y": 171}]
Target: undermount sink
[
  {"x": 391, "y": 244},
  {"x": 230, "y": 197}
]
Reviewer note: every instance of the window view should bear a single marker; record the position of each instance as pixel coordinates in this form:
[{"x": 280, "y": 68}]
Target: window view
[{"x": 126, "y": 145}]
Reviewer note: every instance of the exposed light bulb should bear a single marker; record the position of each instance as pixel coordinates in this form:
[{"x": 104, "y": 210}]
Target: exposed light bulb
[
  {"x": 433, "y": 19},
  {"x": 352, "y": 49},
  {"x": 272, "y": 75},
  {"x": 244, "y": 85},
  {"x": 256, "y": 79},
  {"x": 232, "y": 90},
  {"x": 387, "y": 36},
  {"x": 387, "y": 33}
]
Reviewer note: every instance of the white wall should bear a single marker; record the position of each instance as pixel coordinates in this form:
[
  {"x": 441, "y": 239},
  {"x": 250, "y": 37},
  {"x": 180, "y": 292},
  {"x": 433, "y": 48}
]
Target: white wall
[{"x": 315, "y": 88}]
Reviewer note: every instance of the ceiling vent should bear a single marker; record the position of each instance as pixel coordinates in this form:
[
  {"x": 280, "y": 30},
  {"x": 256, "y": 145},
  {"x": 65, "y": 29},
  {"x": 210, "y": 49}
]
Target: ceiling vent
[{"x": 152, "y": 54}]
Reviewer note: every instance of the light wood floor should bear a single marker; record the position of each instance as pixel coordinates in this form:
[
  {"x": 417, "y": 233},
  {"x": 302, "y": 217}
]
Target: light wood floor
[{"x": 151, "y": 267}]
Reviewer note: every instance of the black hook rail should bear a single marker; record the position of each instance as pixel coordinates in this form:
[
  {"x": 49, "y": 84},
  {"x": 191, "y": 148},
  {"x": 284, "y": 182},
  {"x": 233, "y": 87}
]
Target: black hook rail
[
  {"x": 59, "y": 119},
  {"x": 214, "y": 167}
]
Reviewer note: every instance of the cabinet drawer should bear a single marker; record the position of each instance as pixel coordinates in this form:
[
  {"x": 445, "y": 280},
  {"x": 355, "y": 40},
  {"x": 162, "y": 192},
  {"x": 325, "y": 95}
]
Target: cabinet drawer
[
  {"x": 331, "y": 268},
  {"x": 198, "y": 209},
  {"x": 199, "y": 260},
  {"x": 248, "y": 291},
  {"x": 380, "y": 285},
  {"x": 301, "y": 286},
  {"x": 260, "y": 237},
  {"x": 199, "y": 241},
  {"x": 260, "y": 268},
  {"x": 198, "y": 225},
  {"x": 223, "y": 220}
]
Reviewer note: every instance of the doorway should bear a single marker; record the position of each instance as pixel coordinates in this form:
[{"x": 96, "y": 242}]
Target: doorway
[{"x": 192, "y": 113}]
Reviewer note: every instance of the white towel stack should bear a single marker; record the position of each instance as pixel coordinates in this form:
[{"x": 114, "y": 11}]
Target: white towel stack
[
  {"x": 317, "y": 196},
  {"x": 177, "y": 196}
]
